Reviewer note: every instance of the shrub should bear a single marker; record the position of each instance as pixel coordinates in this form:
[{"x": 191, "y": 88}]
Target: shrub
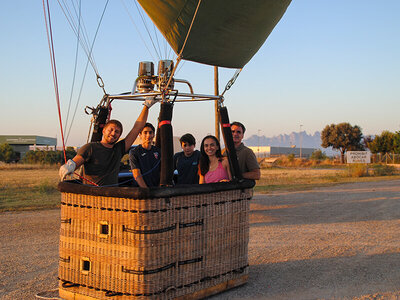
[
  {"x": 7, "y": 153},
  {"x": 47, "y": 157},
  {"x": 357, "y": 170},
  {"x": 383, "y": 170},
  {"x": 318, "y": 155}
]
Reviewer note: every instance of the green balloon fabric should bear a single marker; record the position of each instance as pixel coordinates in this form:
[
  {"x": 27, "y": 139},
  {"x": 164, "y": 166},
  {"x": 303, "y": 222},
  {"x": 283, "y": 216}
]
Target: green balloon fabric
[{"x": 225, "y": 33}]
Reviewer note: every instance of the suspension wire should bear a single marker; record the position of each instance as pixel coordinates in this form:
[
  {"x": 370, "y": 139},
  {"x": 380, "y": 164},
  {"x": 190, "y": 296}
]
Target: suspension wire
[
  {"x": 179, "y": 58},
  {"x": 137, "y": 29},
  {"x": 75, "y": 67},
  {"x": 180, "y": 67},
  {"x": 166, "y": 48},
  {"x": 158, "y": 44},
  {"x": 86, "y": 40},
  {"x": 145, "y": 25},
  {"x": 169, "y": 53},
  {"x": 84, "y": 43},
  {"x": 53, "y": 66},
  {"x": 68, "y": 15},
  {"x": 87, "y": 64}
]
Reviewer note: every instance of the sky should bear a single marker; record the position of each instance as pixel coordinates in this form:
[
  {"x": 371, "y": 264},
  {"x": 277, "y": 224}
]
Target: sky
[{"x": 325, "y": 62}]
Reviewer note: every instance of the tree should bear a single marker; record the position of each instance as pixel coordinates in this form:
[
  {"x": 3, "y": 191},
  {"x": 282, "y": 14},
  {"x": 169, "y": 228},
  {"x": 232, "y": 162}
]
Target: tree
[
  {"x": 383, "y": 143},
  {"x": 342, "y": 137},
  {"x": 396, "y": 142},
  {"x": 367, "y": 140},
  {"x": 7, "y": 153}
]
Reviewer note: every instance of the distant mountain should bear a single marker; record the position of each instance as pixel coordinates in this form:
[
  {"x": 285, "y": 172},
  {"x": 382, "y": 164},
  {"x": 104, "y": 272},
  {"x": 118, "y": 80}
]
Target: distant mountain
[{"x": 287, "y": 140}]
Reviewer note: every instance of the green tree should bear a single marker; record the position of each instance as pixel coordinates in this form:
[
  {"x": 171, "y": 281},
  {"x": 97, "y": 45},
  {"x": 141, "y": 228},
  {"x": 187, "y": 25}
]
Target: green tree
[
  {"x": 396, "y": 142},
  {"x": 7, "y": 153},
  {"x": 342, "y": 137},
  {"x": 383, "y": 143}
]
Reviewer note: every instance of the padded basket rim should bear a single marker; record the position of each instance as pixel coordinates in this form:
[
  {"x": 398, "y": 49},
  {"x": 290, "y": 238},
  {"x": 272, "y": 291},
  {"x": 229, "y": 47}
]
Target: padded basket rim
[{"x": 153, "y": 192}]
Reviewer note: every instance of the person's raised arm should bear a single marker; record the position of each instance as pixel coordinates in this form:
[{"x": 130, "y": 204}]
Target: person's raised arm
[{"x": 139, "y": 124}]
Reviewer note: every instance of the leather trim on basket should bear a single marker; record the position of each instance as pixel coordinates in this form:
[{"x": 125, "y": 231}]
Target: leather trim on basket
[{"x": 154, "y": 192}]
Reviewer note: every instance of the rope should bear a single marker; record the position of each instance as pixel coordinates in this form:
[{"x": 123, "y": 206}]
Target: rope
[
  {"x": 75, "y": 67},
  {"x": 46, "y": 10},
  {"x": 53, "y": 66},
  {"x": 179, "y": 58},
  {"x": 190, "y": 28}
]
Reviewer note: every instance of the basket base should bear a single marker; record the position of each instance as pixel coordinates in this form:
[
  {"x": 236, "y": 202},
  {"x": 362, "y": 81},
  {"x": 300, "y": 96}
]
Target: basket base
[
  {"x": 215, "y": 289},
  {"x": 69, "y": 295}
]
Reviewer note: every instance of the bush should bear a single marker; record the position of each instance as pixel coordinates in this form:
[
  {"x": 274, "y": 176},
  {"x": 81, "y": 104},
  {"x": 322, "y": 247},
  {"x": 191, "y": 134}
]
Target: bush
[
  {"x": 358, "y": 170},
  {"x": 318, "y": 155},
  {"x": 47, "y": 157},
  {"x": 383, "y": 170},
  {"x": 7, "y": 153}
]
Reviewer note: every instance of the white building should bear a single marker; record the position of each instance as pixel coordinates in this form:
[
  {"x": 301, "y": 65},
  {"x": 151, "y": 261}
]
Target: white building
[{"x": 268, "y": 151}]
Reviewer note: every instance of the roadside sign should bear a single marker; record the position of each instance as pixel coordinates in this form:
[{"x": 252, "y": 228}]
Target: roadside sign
[{"x": 358, "y": 157}]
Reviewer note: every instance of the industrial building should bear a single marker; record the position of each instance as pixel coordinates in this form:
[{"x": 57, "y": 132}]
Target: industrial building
[
  {"x": 271, "y": 151},
  {"x": 24, "y": 143}
]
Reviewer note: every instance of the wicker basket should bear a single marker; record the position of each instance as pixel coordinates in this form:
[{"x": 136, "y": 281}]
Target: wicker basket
[{"x": 161, "y": 243}]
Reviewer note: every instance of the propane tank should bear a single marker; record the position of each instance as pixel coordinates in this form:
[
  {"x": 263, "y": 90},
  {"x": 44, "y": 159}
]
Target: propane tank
[
  {"x": 145, "y": 77},
  {"x": 165, "y": 68}
]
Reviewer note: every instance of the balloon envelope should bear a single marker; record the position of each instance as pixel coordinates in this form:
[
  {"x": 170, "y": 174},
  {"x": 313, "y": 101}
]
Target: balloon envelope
[{"x": 224, "y": 33}]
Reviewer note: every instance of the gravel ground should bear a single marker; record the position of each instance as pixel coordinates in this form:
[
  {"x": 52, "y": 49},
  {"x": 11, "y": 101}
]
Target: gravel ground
[{"x": 339, "y": 242}]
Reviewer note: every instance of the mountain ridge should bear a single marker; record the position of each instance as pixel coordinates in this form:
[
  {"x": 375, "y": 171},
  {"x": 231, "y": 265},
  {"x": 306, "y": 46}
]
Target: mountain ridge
[{"x": 287, "y": 140}]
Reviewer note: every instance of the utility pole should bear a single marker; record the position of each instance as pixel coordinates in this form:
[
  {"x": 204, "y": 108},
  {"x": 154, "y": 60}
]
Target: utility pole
[
  {"x": 301, "y": 139},
  {"x": 258, "y": 142},
  {"x": 216, "y": 92}
]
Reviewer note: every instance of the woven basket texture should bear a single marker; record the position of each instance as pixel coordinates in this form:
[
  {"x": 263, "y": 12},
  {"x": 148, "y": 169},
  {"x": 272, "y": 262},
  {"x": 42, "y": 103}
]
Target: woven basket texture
[{"x": 159, "y": 248}]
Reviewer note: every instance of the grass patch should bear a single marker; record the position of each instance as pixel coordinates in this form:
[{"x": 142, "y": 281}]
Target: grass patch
[
  {"x": 25, "y": 187},
  {"x": 296, "y": 179}
]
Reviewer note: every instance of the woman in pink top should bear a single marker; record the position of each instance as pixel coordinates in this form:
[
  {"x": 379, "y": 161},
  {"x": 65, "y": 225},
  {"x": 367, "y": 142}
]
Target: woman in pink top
[{"x": 213, "y": 167}]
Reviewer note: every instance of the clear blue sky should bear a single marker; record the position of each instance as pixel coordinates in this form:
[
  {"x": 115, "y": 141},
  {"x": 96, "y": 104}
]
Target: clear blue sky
[{"x": 325, "y": 62}]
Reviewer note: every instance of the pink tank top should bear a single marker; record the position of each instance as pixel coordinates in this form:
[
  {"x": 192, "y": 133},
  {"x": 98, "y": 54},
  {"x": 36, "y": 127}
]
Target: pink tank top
[{"x": 217, "y": 175}]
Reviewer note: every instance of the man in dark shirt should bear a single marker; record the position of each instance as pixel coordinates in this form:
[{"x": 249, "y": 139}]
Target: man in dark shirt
[
  {"x": 145, "y": 159},
  {"x": 186, "y": 162},
  {"x": 247, "y": 160},
  {"x": 101, "y": 160}
]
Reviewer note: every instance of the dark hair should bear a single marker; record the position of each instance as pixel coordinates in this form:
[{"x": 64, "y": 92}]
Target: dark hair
[
  {"x": 188, "y": 138},
  {"x": 115, "y": 122},
  {"x": 204, "y": 159},
  {"x": 150, "y": 126},
  {"x": 239, "y": 124}
]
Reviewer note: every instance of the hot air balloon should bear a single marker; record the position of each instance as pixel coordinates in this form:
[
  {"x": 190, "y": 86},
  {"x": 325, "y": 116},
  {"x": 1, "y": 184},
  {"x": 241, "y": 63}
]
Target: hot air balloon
[{"x": 168, "y": 242}]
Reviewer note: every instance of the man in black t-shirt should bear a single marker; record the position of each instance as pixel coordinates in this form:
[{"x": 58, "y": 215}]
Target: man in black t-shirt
[
  {"x": 186, "y": 162},
  {"x": 145, "y": 159},
  {"x": 101, "y": 160}
]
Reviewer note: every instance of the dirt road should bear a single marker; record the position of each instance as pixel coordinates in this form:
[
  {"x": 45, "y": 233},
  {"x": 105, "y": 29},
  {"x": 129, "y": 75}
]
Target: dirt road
[{"x": 340, "y": 242}]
